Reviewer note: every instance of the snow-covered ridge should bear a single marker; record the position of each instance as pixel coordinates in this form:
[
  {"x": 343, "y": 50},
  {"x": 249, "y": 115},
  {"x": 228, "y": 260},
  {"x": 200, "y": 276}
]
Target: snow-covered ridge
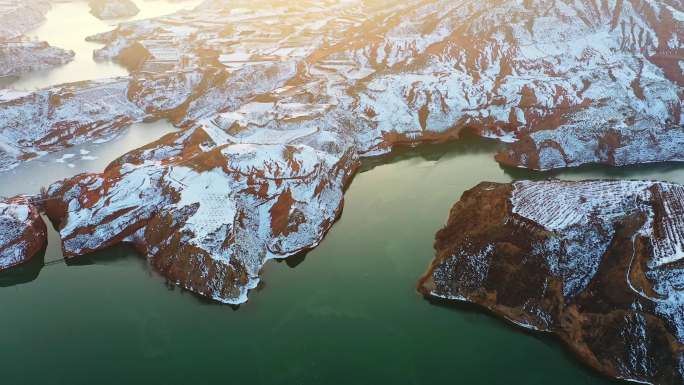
[
  {"x": 20, "y": 16},
  {"x": 570, "y": 83},
  {"x": 560, "y": 206},
  {"x": 19, "y": 56},
  {"x": 34, "y": 123}
]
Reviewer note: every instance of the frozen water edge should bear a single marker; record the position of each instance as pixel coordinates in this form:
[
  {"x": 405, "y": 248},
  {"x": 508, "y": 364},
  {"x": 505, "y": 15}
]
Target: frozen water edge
[{"x": 40, "y": 172}]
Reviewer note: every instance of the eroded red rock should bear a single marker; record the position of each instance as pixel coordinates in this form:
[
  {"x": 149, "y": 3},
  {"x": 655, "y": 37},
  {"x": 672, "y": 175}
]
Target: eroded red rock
[
  {"x": 23, "y": 233},
  {"x": 35, "y": 123},
  {"x": 598, "y": 263},
  {"x": 207, "y": 220}
]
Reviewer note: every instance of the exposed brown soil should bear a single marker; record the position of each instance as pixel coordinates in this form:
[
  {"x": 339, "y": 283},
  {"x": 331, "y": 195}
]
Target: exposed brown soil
[{"x": 488, "y": 255}]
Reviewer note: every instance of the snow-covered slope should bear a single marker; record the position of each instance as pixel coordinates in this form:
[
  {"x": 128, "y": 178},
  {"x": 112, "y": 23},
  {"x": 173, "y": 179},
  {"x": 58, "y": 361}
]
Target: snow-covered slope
[
  {"x": 33, "y": 123},
  {"x": 599, "y": 263},
  {"x": 22, "y": 232},
  {"x": 17, "y": 54},
  {"x": 566, "y": 78},
  {"x": 570, "y": 82},
  {"x": 208, "y": 217}
]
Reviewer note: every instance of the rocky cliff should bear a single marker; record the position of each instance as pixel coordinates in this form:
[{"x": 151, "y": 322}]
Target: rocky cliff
[{"x": 598, "y": 263}]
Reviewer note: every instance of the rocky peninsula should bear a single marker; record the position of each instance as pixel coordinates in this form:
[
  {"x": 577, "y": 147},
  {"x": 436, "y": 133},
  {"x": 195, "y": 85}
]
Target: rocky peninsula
[{"x": 597, "y": 263}]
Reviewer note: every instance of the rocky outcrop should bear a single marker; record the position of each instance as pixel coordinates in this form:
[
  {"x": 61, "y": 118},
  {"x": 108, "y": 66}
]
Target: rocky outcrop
[
  {"x": 20, "y": 56},
  {"x": 22, "y": 232},
  {"x": 113, "y": 9},
  {"x": 207, "y": 216},
  {"x": 598, "y": 263},
  {"x": 577, "y": 143},
  {"x": 35, "y": 123}
]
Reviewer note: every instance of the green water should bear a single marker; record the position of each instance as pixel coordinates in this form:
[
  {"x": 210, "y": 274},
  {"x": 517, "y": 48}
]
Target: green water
[{"x": 345, "y": 314}]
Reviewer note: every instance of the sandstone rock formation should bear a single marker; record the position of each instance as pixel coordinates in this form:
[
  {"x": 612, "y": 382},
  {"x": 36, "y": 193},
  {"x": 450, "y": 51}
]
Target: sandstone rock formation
[
  {"x": 34, "y": 123},
  {"x": 598, "y": 263},
  {"x": 207, "y": 216},
  {"x": 22, "y": 232},
  {"x": 113, "y": 9}
]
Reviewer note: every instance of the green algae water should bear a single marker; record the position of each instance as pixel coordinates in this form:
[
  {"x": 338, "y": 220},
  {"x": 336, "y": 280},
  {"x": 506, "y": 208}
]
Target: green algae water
[{"x": 346, "y": 313}]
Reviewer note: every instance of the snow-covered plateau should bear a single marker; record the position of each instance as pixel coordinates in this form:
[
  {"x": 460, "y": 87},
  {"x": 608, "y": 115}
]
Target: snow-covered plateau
[
  {"x": 566, "y": 82},
  {"x": 208, "y": 216}
]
